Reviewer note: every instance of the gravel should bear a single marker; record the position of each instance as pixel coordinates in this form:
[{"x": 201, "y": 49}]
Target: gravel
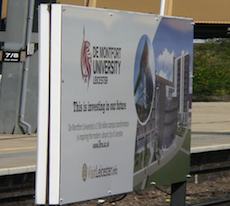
[{"x": 210, "y": 188}]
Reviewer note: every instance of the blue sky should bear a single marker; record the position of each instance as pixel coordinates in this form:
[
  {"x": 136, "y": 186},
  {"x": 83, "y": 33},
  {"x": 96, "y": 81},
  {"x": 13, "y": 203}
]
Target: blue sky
[{"x": 172, "y": 37}]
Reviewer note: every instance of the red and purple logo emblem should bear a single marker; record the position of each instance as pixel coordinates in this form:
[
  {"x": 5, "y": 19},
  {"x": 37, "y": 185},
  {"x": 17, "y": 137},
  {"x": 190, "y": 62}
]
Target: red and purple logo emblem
[{"x": 86, "y": 59}]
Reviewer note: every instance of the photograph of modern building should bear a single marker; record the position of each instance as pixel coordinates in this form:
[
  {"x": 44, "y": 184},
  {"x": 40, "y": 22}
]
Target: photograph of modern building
[
  {"x": 168, "y": 126},
  {"x": 143, "y": 80},
  {"x": 169, "y": 118},
  {"x": 181, "y": 85}
]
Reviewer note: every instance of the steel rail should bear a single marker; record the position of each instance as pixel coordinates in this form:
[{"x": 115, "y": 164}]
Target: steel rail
[
  {"x": 213, "y": 203},
  {"x": 16, "y": 198}
]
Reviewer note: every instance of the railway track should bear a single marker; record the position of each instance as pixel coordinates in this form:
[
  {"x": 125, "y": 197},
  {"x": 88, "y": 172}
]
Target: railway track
[
  {"x": 209, "y": 165},
  {"x": 19, "y": 189},
  {"x": 209, "y": 162},
  {"x": 26, "y": 199},
  {"x": 224, "y": 202}
]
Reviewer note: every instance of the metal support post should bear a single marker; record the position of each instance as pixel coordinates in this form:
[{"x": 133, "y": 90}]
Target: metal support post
[
  {"x": 162, "y": 7},
  {"x": 178, "y": 194},
  {"x": 12, "y": 72},
  {"x": 0, "y": 9}
]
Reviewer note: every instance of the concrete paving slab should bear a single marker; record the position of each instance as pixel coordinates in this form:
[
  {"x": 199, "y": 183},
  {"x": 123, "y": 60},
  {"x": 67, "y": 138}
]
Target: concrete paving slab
[{"x": 211, "y": 117}]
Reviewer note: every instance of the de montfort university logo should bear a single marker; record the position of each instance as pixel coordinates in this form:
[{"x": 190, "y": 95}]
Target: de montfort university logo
[{"x": 86, "y": 59}]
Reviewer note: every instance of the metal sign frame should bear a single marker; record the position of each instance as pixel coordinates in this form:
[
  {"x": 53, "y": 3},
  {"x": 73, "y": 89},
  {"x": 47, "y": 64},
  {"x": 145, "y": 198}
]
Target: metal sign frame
[{"x": 49, "y": 175}]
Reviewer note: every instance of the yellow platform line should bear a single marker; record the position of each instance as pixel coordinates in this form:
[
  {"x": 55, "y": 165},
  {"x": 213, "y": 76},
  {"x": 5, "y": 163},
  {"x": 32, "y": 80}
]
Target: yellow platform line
[{"x": 16, "y": 149}]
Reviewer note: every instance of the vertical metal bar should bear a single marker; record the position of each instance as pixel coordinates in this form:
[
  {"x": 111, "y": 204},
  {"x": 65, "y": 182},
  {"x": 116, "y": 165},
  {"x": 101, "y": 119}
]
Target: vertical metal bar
[
  {"x": 162, "y": 8},
  {"x": 0, "y": 9},
  {"x": 55, "y": 106},
  {"x": 178, "y": 194},
  {"x": 25, "y": 126},
  {"x": 43, "y": 107}
]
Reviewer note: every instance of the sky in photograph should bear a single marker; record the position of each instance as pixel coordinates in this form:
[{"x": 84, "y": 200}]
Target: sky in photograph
[{"x": 173, "y": 37}]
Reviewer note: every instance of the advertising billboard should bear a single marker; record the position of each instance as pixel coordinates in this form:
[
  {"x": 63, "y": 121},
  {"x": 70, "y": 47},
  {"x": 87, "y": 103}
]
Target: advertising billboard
[{"x": 119, "y": 102}]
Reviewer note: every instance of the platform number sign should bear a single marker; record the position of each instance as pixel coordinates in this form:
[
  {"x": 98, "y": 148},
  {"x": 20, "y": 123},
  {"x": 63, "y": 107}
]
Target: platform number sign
[{"x": 12, "y": 56}]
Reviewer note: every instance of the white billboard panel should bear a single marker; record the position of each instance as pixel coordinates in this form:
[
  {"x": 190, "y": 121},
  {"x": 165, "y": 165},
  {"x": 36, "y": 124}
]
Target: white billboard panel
[
  {"x": 115, "y": 95},
  {"x": 43, "y": 114},
  {"x": 98, "y": 126}
]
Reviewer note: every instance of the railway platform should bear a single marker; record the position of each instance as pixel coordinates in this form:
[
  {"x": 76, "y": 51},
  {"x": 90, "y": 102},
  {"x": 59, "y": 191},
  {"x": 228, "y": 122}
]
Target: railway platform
[{"x": 210, "y": 132}]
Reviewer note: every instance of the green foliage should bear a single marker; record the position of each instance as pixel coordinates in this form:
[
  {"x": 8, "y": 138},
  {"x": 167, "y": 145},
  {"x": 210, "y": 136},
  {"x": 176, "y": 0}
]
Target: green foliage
[{"x": 212, "y": 69}]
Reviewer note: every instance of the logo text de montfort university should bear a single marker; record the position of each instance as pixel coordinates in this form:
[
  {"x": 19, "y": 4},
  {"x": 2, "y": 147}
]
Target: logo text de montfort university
[
  {"x": 102, "y": 64},
  {"x": 86, "y": 59}
]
